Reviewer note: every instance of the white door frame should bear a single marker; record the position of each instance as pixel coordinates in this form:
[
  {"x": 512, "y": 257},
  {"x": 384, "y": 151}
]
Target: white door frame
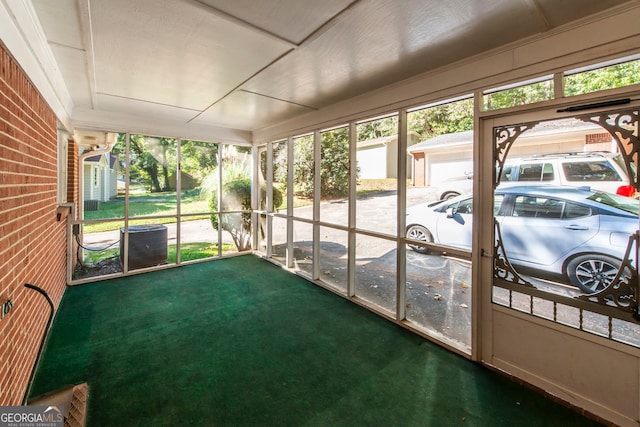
[{"x": 591, "y": 372}]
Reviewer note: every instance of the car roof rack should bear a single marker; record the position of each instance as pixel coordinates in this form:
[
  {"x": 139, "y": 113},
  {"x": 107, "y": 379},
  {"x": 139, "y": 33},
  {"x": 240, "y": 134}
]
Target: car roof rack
[{"x": 572, "y": 154}]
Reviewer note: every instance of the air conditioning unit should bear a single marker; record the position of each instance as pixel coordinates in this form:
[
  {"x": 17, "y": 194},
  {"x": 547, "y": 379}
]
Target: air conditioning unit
[
  {"x": 91, "y": 205},
  {"x": 147, "y": 245}
]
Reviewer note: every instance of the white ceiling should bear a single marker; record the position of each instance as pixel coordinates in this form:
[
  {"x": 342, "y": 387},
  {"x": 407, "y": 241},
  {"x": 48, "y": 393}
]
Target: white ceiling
[{"x": 246, "y": 64}]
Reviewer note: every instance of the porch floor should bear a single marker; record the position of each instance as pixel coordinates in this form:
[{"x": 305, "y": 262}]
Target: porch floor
[{"x": 239, "y": 341}]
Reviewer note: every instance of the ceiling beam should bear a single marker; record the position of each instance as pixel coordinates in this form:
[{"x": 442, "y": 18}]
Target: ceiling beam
[
  {"x": 84, "y": 10},
  {"x": 21, "y": 33}
]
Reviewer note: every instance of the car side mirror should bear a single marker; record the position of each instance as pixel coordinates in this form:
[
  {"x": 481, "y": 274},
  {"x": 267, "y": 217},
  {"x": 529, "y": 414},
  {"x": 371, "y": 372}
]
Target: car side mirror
[{"x": 451, "y": 212}]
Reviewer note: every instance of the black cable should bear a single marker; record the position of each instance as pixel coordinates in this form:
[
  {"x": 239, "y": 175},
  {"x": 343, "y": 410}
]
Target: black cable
[
  {"x": 596, "y": 105},
  {"x": 44, "y": 337},
  {"x": 94, "y": 249}
]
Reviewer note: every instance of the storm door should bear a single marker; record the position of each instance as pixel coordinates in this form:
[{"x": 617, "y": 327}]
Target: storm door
[{"x": 559, "y": 267}]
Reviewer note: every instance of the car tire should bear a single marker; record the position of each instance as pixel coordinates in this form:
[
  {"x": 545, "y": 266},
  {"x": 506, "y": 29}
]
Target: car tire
[
  {"x": 421, "y": 234},
  {"x": 592, "y": 273},
  {"x": 449, "y": 195}
]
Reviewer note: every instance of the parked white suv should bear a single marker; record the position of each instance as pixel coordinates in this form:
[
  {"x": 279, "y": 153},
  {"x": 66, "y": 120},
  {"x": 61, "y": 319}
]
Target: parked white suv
[{"x": 602, "y": 171}]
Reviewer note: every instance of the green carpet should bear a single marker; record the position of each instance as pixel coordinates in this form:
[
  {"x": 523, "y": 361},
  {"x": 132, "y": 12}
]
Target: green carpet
[{"x": 240, "y": 342}]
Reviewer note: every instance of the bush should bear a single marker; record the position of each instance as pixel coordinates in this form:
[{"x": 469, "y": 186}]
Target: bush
[{"x": 236, "y": 197}]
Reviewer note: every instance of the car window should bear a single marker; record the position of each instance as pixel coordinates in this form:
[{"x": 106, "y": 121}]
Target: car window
[
  {"x": 547, "y": 172},
  {"x": 462, "y": 207},
  {"x": 506, "y": 173},
  {"x": 571, "y": 210},
  {"x": 537, "y": 207},
  {"x": 466, "y": 206},
  {"x": 617, "y": 159},
  {"x": 497, "y": 203},
  {"x": 599, "y": 170},
  {"x": 627, "y": 204},
  {"x": 529, "y": 172}
]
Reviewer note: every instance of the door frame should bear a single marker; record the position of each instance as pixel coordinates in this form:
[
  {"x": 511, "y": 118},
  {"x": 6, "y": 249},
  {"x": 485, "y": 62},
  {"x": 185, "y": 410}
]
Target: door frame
[{"x": 545, "y": 354}]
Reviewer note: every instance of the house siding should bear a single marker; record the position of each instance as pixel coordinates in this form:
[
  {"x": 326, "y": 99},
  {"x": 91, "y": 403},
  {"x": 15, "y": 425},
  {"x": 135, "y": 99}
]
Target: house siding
[
  {"x": 32, "y": 241},
  {"x": 72, "y": 172}
]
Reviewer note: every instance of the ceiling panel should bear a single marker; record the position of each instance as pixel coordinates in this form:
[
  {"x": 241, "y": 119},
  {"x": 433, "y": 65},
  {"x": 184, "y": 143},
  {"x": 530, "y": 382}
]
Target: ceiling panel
[
  {"x": 173, "y": 53},
  {"x": 139, "y": 108},
  {"x": 60, "y": 20},
  {"x": 247, "y": 64},
  {"x": 291, "y": 20},
  {"x": 384, "y": 41},
  {"x": 245, "y": 110}
]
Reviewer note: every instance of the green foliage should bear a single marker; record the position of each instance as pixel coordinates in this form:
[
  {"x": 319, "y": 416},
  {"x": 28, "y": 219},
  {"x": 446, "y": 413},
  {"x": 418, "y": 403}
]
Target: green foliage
[
  {"x": 611, "y": 77},
  {"x": 280, "y": 164},
  {"x": 521, "y": 95},
  {"x": 334, "y": 163},
  {"x": 236, "y": 200},
  {"x": 377, "y": 128},
  {"x": 442, "y": 119},
  {"x": 303, "y": 166},
  {"x": 236, "y": 196},
  {"x": 151, "y": 160},
  {"x": 198, "y": 159}
]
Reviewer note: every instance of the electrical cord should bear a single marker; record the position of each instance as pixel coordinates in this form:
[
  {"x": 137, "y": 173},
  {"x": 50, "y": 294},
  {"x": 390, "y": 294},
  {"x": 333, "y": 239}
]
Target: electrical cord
[
  {"x": 80, "y": 245},
  {"x": 94, "y": 249}
]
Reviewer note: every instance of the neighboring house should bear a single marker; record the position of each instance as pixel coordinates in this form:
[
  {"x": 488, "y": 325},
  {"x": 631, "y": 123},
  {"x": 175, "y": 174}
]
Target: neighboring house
[
  {"x": 378, "y": 158},
  {"x": 451, "y": 155},
  {"x": 100, "y": 177}
]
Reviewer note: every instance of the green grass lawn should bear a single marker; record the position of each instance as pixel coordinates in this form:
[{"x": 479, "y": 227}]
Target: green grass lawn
[
  {"x": 142, "y": 203},
  {"x": 147, "y": 204},
  {"x": 189, "y": 252},
  {"x": 99, "y": 263}
]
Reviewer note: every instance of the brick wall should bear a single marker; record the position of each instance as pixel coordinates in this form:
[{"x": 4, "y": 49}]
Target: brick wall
[{"x": 32, "y": 241}]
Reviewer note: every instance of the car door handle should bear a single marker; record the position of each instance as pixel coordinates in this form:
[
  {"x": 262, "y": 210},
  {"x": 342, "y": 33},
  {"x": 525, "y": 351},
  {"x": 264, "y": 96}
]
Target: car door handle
[{"x": 576, "y": 227}]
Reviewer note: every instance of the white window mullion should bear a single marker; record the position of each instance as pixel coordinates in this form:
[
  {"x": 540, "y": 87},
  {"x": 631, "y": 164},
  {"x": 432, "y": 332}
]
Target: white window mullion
[
  {"x": 316, "y": 203},
  {"x": 401, "y": 254}
]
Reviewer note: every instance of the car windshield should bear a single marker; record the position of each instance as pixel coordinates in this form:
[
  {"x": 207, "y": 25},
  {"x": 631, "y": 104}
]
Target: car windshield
[
  {"x": 620, "y": 161},
  {"x": 627, "y": 204}
]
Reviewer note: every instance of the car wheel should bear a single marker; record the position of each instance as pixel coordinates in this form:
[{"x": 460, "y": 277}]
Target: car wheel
[
  {"x": 592, "y": 273},
  {"x": 421, "y": 234},
  {"x": 449, "y": 195}
]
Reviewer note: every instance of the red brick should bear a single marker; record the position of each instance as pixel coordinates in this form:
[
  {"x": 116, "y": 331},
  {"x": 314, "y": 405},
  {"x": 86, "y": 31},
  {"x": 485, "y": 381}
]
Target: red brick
[{"x": 32, "y": 242}]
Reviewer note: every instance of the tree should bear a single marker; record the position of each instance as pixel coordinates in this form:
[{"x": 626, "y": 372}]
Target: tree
[
  {"x": 334, "y": 162},
  {"x": 152, "y": 159},
  {"x": 614, "y": 76},
  {"x": 303, "y": 166},
  {"x": 235, "y": 200},
  {"x": 377, "y": 128},
  {"x": 198, "y": 159},
  {"x": 521, "y": 95},
  {"x": 442, "y": 119}
]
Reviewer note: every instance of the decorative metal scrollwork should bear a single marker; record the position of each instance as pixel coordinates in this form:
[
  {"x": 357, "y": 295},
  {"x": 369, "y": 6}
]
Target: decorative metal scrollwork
[
  {"x": 502, "y": 268},
  {"x": 623, "y": 127},
  {"x": 624, "y": 290},
  {"x": 503, "y": 138}
]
